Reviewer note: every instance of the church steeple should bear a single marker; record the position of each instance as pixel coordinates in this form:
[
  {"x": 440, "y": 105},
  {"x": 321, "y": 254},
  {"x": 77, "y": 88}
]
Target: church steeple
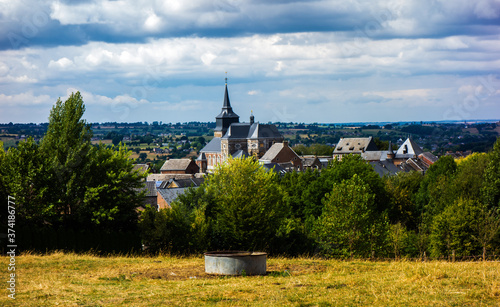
[{"x": 226, "y": 116}]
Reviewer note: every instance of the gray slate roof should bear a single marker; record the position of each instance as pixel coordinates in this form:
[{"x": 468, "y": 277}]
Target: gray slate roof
[
  {"x": 212, "y": 146},
  {"x": 429, "y": 156},
  {"x": 150, "y": 188},
  {"x": 275, "y": 167},
  {"x": 142, "y": 168},
  {"x": 184, "y": 183},
  {"x": 385, "y": 168},
  {"x": 169, "y": 195},
  {"x": 175, "y": 164},
  {"x": 274, "y": 151},
  {"x": 240, "y": 154},
  {"x": 258, "y": 130},
  {"x": 252, "y": 131},
  {"x": 310, "y": 161},
  {"x": 355, "y": 145}
]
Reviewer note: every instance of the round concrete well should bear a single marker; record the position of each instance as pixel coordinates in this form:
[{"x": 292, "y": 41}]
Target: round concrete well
[{"x": 235, "y": 263}]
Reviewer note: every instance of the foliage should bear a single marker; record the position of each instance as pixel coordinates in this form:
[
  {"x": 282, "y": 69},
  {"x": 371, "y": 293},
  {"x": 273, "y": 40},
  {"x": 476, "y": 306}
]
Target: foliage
[
  {"x": 402, "y": 189},
  {"x": 167, "y": 230},
  {"x": 349, "y": 220},
  {"x": 491, "y": 188},
  {"x": 453, "y": 229},
  {"x": 27, "y": 178},
  {"x": 66, "y": 182},
  {"x": 249, "y": 205},
  {"x": 313, "y": 149}
]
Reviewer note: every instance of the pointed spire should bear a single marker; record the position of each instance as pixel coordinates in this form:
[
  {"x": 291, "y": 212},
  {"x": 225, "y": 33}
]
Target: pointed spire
[
  {"x": 227, "y": 104},
  {"x": 226, "y": 116}
]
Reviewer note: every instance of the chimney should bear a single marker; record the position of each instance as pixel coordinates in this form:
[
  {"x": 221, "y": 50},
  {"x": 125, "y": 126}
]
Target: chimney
[
  {"x": 285, "y": 143},
  {"x": 390, "y": 152}
]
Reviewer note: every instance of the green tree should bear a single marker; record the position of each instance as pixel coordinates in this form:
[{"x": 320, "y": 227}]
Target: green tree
[
  {"x": 349, "y": 224},
  {"x": 337, "y": 171},
  {"x": 491, "y": 188},
  {"x": 249, "y": 205},
  {"x": 66, "y": 145},
  {"x": 402, "y": 189},
  {"x": 111, "y": 189},
  {"x": 434, "y": 194},
  {"x": 453, "y": 229},
  {"x": 26, "y": 177}
]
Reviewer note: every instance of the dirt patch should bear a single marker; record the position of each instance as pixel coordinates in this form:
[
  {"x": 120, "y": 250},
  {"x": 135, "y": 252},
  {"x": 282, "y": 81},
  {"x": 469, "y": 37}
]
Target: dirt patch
[{"x": 196, "y": 271}]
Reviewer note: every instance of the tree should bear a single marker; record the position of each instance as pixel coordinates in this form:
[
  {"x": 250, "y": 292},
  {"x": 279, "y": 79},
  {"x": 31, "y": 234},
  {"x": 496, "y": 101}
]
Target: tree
[
  {"x": 26, "y": 177},
  {"x": 111, "y": 190},
  {"x": 83, "y": 185},
  {"x": 66, "y": 146},
  {"x": 249, "y": 205},
  {"x": 402, "y": 189},
  {"x": 349, "y": 220},
  {"x": 487, "y": 227},
  {"x": 491, "y": 188},
  {"x": 453, "y": 229}
]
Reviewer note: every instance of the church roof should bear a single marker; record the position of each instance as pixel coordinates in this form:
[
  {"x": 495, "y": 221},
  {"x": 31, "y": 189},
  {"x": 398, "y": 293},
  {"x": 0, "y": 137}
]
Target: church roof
[
  {"x": 237, "y": 131},
  {"x": 227, "y": 110},
  {"x": 240, "y": 154},
  {"x": 258, "y": 130},
  {"x": 212, "y": 146},
  {"x": 252, "y": 131}
]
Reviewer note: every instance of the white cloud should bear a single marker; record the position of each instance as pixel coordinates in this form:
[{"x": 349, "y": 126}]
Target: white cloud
[
  {"x": 25, "y": 99},
  {"x": 61, "y": 63}
]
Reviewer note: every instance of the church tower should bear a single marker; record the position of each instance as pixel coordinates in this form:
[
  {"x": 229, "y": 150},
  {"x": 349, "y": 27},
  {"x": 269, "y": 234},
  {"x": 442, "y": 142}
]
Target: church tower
[{"x": 226, "y": 117}]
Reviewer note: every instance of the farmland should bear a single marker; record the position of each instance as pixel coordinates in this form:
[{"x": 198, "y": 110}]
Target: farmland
[{"x": 88, "y": 280}]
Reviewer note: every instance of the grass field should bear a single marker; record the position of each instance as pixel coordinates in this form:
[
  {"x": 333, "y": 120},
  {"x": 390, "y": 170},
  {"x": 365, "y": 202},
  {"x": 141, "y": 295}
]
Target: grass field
[{"x": 85, "y": 280}]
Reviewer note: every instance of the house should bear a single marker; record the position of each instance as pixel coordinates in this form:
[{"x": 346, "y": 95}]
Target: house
[
  {"x": 165, "y": 197},
  {"x": 274, "y": 167},
  {"x": 182, "y": 183},
  {"x": 283, "y": 155},
  {"x": 150, "y": 197},
  {"x": 141, "y": 168},
  {"x": 408, "y": 150},
  {"x": 354, "y": 146},
  {"x": 409, "y": 156},
  {"x": 311, "y": 162},
  {"x": 385, "y": 167},
  {"x": 235, "y": 139},
  {"x": 179, "y": 166}
]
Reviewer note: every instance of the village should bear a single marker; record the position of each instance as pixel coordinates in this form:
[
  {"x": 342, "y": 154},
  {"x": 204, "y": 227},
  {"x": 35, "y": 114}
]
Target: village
[{"x": 233, "y": 139}]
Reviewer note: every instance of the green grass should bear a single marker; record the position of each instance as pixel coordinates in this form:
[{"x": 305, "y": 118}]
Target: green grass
[{"x": 86, "y": 280}]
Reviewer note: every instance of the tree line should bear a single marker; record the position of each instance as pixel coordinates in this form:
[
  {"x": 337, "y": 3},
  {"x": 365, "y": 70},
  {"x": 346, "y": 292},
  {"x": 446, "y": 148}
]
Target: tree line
[{"x": 344, "y": 211}]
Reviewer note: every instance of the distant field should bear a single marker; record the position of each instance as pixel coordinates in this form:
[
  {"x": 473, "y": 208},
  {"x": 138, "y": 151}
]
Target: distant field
[
  {"x": 8, "y": 141},
  {"x": 86, "y": 280},
  {"x": 102, "y": 141}
]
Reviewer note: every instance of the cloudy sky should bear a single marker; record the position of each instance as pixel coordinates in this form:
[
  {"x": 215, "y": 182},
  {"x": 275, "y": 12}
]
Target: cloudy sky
[{"x": 289, "y": 61}]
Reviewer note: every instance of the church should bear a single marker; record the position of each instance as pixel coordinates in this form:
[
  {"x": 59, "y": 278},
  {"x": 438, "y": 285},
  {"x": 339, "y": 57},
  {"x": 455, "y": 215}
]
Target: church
[{"x": 235, "y": 139}]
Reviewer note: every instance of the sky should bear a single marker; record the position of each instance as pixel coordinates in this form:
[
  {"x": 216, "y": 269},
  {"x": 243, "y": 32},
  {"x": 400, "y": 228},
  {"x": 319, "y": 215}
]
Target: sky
[{"x": 322, "y": 61}]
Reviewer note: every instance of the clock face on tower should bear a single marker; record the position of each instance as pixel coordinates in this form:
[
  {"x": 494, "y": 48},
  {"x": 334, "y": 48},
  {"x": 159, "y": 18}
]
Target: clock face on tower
[{"x": 238, "y": 146}]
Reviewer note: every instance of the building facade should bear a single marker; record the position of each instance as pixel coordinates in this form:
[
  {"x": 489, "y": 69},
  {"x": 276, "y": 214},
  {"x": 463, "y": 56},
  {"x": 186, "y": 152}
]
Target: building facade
[{"x": 235, "y": 139}]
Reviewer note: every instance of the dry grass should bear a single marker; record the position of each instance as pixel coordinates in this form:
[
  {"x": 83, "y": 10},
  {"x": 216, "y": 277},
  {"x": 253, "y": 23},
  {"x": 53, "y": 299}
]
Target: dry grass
[{"x": 85, "y": 280}]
